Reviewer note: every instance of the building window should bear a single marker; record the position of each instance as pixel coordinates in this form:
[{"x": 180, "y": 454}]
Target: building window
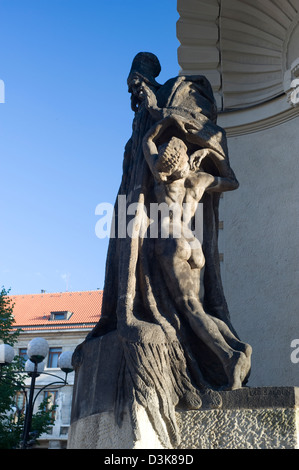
[
  {"x": 23, "y": 354},
  {"x": 20, "y": 403},
  {"x": 64, "y": 430},
  {"x": 61, "y": 315},
  {"x": 53, "y": 356},
  {"x": 51, "y": 397}
]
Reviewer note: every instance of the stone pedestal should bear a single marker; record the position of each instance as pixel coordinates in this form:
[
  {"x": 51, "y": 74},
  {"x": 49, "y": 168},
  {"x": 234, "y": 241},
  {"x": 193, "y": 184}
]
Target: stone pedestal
[{"x": 249, "y": 418}]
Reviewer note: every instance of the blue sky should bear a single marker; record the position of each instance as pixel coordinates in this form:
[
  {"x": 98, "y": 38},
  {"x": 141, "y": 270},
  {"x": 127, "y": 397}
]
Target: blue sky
[{"x": 63, "y": 128}]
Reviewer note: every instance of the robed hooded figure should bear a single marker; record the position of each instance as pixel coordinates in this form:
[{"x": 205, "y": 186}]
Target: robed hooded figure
[{"x": 163, "y": 294}]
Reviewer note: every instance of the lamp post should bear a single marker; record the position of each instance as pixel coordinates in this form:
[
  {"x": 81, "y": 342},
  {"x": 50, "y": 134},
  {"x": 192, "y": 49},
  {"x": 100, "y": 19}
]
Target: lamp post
[{"x": 37, "y": 350}]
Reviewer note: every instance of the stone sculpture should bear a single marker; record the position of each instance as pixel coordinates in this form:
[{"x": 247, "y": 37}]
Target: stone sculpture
[{"x": 163, "y": 294}]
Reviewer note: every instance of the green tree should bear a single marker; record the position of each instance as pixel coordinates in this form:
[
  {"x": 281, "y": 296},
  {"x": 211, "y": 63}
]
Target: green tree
[{"x": 12, "y": 384}]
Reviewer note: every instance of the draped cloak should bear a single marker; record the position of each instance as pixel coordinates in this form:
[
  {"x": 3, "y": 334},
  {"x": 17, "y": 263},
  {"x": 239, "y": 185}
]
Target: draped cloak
[{"x": 163, "y": 359}]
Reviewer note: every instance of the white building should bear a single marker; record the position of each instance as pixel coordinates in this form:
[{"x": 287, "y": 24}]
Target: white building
[
  {"x": 249, "y": 50},
  {"x": 64, "y": 320}
]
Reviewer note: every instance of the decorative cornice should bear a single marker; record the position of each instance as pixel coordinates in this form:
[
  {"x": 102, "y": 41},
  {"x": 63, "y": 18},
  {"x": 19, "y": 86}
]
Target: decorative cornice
[
  {"x": 198, "y": 33},
  {"x": 242, "y": 46},
  {"x": 258, "y": 118}
]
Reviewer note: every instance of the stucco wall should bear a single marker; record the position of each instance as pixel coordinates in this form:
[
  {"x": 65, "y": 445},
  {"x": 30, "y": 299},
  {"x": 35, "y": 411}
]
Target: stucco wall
[{"x": 260, "y": 242}]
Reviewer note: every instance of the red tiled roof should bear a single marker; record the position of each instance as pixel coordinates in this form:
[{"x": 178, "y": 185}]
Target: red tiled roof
[{"x": 34, "y": 311}]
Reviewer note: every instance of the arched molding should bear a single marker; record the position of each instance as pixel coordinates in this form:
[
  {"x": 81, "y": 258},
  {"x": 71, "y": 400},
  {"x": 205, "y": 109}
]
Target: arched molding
[
  {"x": 258, "y": 118},
  {"x": 245, "y": 48}
]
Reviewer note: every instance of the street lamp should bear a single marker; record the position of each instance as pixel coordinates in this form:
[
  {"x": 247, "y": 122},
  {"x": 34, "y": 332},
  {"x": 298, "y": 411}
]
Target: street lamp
[
  {"x": 37, "y": 350},
  {"x": 7, "y": 354}
]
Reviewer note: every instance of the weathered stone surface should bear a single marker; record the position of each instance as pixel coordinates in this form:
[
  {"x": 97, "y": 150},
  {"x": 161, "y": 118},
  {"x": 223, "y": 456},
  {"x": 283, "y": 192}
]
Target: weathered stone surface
[
  {"x": 100, "y": 431},
  {"x": 266, "y": 428},
  {"x": 260, "y": 397},
  {"x": 96, "y": 377},
  {"x": 253, "y": 418},
  {"x": 258, "y": 418},
  {"x": 163, "y": 296}
]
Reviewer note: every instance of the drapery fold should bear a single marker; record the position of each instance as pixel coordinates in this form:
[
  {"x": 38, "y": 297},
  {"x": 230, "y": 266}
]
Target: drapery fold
[{"x": 165, "y": 364}]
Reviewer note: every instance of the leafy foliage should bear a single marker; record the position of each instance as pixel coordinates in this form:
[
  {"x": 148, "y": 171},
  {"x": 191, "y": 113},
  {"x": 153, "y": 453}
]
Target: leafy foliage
[
  {"x": 12, "y": 384},
  {"x": 8, "y": 335}
]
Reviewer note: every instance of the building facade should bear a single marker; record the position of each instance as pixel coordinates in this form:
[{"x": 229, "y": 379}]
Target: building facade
[
  {"x": 64, "y": 320},
  {"x": 248, "y": 49}
]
